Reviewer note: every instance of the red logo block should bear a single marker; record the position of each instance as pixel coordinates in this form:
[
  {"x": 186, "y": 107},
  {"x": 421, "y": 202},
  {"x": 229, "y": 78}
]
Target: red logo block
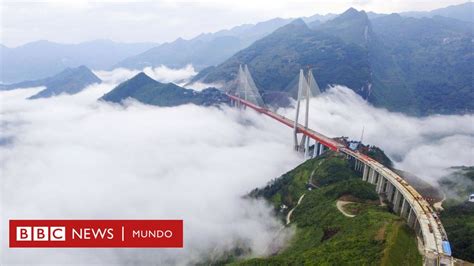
[{"x": 96, "y": 233}]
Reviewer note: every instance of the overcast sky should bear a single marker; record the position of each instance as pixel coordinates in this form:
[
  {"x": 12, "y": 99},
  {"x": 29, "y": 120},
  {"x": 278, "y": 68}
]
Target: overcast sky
[{"x": 72, "y": 21}]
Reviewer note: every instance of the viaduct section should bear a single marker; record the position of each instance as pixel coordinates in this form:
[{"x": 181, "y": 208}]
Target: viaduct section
[{"x": 406, "y": 201}]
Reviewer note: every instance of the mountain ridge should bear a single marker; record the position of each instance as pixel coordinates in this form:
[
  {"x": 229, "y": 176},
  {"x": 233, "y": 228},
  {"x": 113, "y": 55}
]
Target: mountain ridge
[
  {"x": 149, "y": 91},
  {"x": 390, "y": 60},
  {"x": 68, "y": 81},
  {"x": 40, "y": 59},
  {"x": 276, "y": 59},
  {"x": 204, "y": 50},
  {"x": 462, "y": 12}
]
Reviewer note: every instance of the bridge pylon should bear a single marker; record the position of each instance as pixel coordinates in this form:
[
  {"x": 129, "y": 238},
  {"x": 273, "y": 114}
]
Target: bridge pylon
[
  {"x": 307, "y": 88},
  {"x": 244, "y": 88}
]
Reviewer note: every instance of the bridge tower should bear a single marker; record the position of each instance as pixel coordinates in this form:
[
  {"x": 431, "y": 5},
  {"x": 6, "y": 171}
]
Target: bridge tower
[
  {"x": 244, "y": 87},
  {"x": 307, "y": 88}
]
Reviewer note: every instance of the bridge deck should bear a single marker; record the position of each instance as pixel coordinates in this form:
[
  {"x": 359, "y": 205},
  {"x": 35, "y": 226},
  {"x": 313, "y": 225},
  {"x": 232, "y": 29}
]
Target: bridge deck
[
  {"x": 431, "y": 228},
  {"x": 326, "y": 141}
]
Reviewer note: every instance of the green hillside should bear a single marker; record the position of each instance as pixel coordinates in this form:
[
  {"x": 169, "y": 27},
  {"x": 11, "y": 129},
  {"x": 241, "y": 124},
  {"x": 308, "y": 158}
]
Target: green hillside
[
  {"x": 149, "y": 91},
  {"x": 422, "y": 66},
  {"x": 324, "y": 236}
]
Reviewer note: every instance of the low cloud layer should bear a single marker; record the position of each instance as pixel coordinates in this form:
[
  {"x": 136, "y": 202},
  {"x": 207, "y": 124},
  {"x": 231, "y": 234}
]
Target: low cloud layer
[
  {"x": 426, "y": 146},
  {"x": 199, "y": 86},
  {"x": 74, "y": 157},
  {"x": 162, "y": 74}
]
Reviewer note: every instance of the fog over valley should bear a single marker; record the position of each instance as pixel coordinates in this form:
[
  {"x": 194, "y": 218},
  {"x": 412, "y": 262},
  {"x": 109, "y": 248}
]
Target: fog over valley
[
  {"x": 87, "y": 159},
  {"x": 73, "y": 157}
]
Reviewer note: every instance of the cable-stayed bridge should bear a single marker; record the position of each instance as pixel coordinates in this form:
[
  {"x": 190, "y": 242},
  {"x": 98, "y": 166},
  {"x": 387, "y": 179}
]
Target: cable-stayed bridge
[{"x": 407, "y": 202}]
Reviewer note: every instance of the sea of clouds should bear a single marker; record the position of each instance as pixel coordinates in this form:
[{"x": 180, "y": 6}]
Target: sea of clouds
[
  {"x": 74, "y": 157},
  {"x": 161, "y": 73}
]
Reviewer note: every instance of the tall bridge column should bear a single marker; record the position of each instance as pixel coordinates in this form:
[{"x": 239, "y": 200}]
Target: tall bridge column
[
  {"x": 303, "y": 94},
  {"x": 321, "y": 148},
  {"x": 380, "y": 184},
  {"x": 315, "y": 149},
  {"x": 396, "y": 203},
  {"x": 411, "y": 218},
  {"x": 306, "y": 148},
  {"x": 417, "y": 228},
  {"x": 391, "y": 192},
  {"x": 388, "y": 190},
  {"x": 371, "y": 175},
  {"x": 404, "y": 208},
  {"x": 365, "y": 173},
  {"x": 385, "y": 186}
]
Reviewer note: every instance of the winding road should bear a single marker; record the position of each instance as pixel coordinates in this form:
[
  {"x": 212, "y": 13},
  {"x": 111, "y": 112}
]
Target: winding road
[{"x": 288, "y": 216}]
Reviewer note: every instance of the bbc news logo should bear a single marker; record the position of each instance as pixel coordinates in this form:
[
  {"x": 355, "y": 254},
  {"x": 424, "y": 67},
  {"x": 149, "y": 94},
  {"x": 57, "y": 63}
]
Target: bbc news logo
[
  {"x": 40, "y": 233},
  {"x": 96, "y": 233}
]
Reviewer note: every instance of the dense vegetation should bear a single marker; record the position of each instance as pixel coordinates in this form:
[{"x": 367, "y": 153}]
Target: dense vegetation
[
  {"x": 422, "y": 65},
  {"x": 413, "y": 65},
  {"x": 458, "y": 216},
  {"x": 324, "y": 236},
  {"x": 149, "y": 91},
  {"x": 458, "y": 221}
]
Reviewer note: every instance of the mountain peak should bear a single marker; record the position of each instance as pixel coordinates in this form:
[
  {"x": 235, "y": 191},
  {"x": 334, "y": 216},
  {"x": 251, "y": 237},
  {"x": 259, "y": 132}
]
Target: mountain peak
[
  {"x": 141, "y": 75},
  {"x": 351, "y": 10},
  {"x": 83, "y": 67},
  {"x": 297, "y": 25},
  {"x": 142, "y": 78},
  {"x": 352, "y": 14},
  {"x": 80, "y": 70},
  {"x": 148, "y": 91},
  {"x": 139, "y": 82},
  {"x": 179, "y": 40},
  {"x": 68, "y": 81},
  {"x": 349, "y": 19},
  {"x": 298, "y": 22},
  {"x": 351, "y": 26}
]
